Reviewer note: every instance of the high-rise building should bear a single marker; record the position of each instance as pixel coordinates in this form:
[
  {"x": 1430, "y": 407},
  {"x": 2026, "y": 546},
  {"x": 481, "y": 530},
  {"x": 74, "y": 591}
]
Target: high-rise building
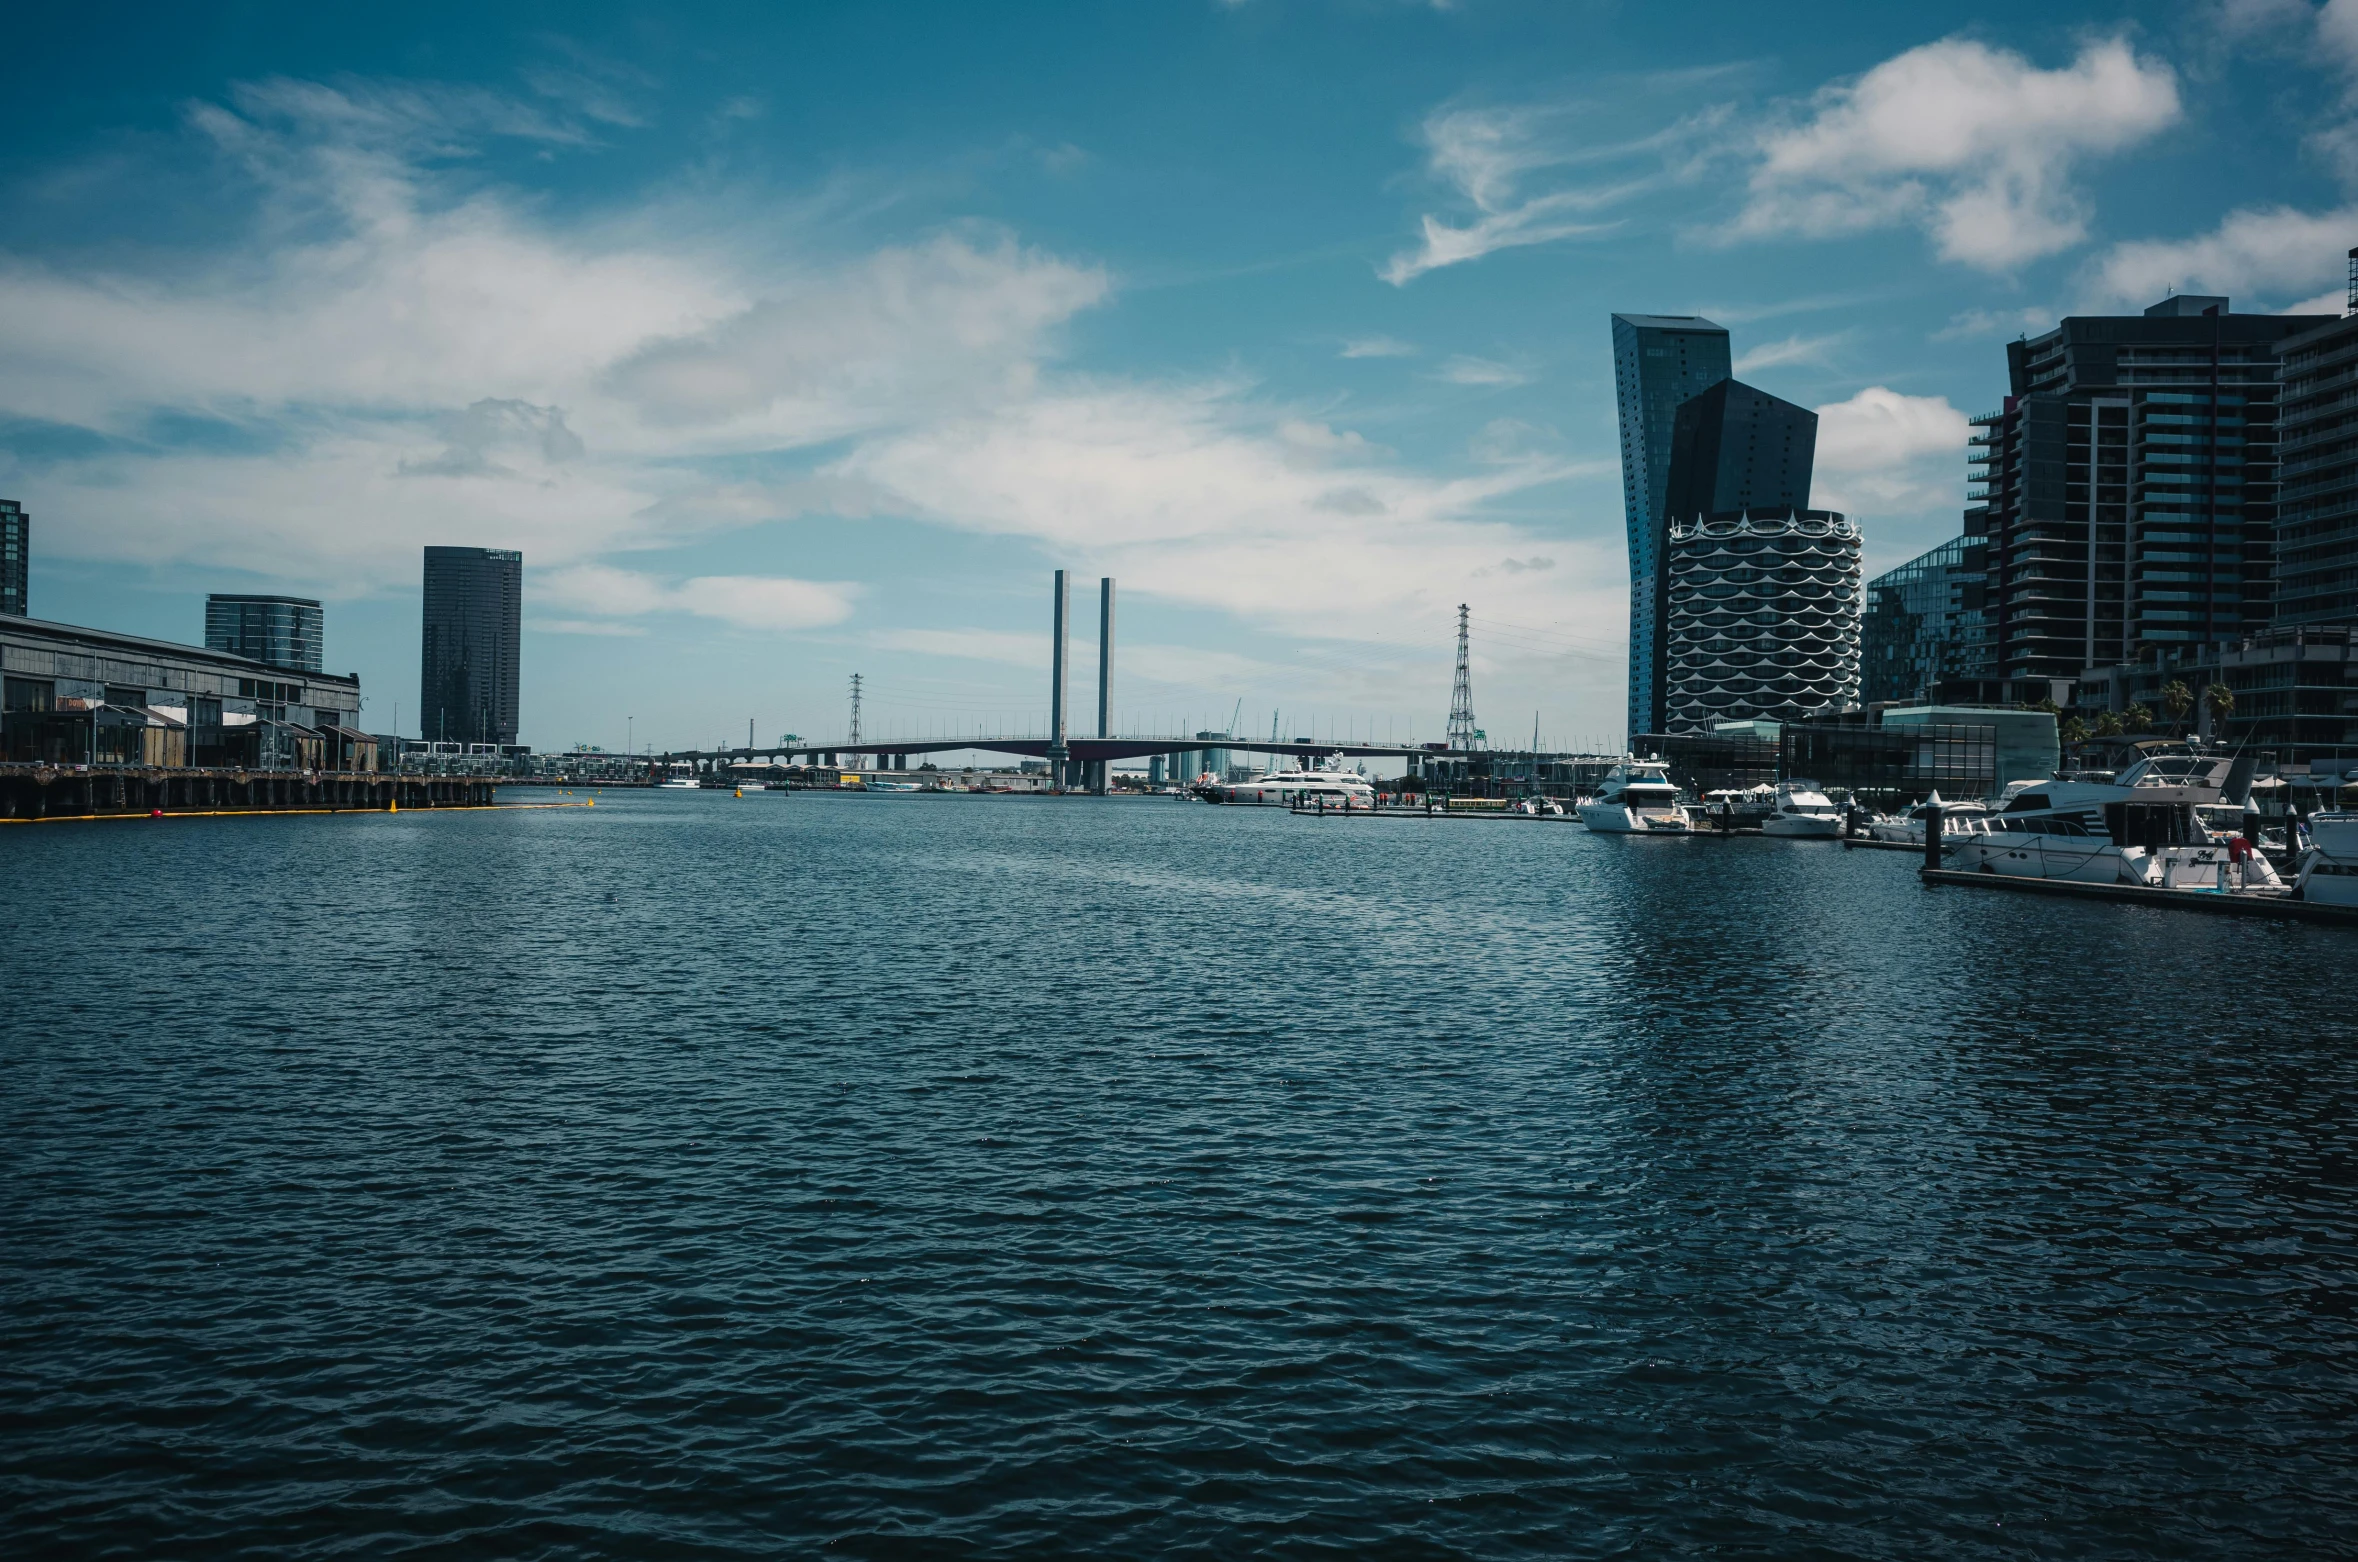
[
  {"x": 1924, "y": 626},
  {"x": 2131, "y": 488},
  {"x": 1758, "y": 597},
  {"x": 2317, "y": 472},
  {"x": 16, "y": 559},
  {"x": 1659, "y": 363},
  {"x": 467, "y": 677},
  {"x": 283, "y": 631},
  {"x": 1762, "y": 618}
]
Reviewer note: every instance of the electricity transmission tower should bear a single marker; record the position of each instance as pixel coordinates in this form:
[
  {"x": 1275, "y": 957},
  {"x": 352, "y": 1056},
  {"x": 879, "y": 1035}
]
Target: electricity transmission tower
[
  {"x": 1462, "y": 732},
  {"x": 855, "y": 721}
]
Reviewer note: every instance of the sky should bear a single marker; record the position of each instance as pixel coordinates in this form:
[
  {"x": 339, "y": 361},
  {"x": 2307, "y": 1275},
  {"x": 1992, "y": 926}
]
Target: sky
[{"x": 793, "y": 342}]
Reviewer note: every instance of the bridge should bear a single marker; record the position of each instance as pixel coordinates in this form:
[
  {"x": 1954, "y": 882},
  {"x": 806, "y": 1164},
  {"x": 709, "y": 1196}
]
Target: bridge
[{"x": 1085, "y": 759}]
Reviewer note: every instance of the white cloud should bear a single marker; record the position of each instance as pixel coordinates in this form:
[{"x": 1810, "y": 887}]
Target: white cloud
[
  {"x": 392, "y": 362},
  {"x": 2337, "y": 32},
  {"x": 1377, "y": 347},
  {"x": 1884, "y": 455},
  {"x": 977, "y": 645},
  {"x": 1464, "y": 370},
  {"x": 2273, "y": 253},
  {"x": 1189, "y": 493},
  {"x": 746, "y": 601},
  {"x": 1975, "y": 144},
  {"x": 1791, "y": 349}
]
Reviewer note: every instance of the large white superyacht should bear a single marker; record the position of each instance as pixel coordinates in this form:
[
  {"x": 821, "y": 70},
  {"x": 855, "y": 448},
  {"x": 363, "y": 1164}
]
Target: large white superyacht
[
  {"x": 1636, "y": 798},
  {"x": 1302, "y": 786}
]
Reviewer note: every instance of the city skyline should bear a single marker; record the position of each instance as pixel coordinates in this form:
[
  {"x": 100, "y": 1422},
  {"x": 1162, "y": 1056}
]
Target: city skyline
[{"x": 802, "y": 347}]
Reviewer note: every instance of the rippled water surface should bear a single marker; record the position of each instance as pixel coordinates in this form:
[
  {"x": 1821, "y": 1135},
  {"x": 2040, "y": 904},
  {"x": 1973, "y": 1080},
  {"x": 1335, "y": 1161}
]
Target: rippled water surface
[{"x": 695, "y": 1176}]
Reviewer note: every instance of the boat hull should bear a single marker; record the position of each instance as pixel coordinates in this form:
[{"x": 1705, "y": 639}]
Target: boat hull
[
  {"x": 1606, "y": 819},
  {"x": 1807, "y": 827}
]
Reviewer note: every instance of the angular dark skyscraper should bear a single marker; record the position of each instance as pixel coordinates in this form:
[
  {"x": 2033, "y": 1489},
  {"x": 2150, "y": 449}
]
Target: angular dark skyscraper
[
  {"x": 468, "y": 663},
  {"x": 1740, "y": 452},
  {"x": 1659, "y": 362}
]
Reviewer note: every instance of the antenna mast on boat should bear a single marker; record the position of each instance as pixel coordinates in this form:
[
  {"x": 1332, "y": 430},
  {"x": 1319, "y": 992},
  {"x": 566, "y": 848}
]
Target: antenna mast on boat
[{"x": 1461, "y": 694}]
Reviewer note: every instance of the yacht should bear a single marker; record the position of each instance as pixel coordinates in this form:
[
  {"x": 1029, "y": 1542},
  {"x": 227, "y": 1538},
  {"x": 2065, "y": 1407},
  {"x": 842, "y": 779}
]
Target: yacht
[
  {"x": 2329, "y": 870},
  {"x": 1636, "y": 798},
  {"x": 1802, "y": 810},
  {"x": 1300, "y": 787},
  {"x": 683, "y": 778},
  {"x": 2140, "y": 828},
  {"x": 1970, "y": 817},
  {"x": 1737, "y": 807}
]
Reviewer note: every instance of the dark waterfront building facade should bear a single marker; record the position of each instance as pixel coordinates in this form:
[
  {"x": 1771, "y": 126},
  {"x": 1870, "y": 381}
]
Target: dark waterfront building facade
[
  {"x": 2295, "y": 688},
  {"x": 1924, "y": 625},
  {"x": 2130, "y": 482},
  {"x": 474, "y": 619},
  {"x": 2317, "y": 474},
  {"x": 287, "y": 632},
  {"x": 16, "y": 559},
  {"x": 1660, "y": 362}
]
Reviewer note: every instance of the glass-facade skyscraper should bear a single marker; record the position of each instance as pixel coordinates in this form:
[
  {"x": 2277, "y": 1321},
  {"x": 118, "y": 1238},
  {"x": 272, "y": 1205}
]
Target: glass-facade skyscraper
[
  {"x": 2130, "y": 482},
  {"x": 1925, "y": 626},
  {"x": 474, "y": 624},
  {"x": 1659, "y": 362},
  {"x": 2317, "y": 478},
  {"x": 16, "y": 558},
  {"x": 286, "y": 632}
]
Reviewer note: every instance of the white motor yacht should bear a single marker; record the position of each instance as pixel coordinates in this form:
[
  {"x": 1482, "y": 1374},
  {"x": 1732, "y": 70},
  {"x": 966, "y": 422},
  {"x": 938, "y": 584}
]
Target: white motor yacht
[
  {"x": 1970, "y": 817},
  {"x": 2139, "y": 828},
  {"x": 1300, "y": 786},
  {"x": 1636, "y": 798},
  {"x": 2329, "y": 870},
  {"x": 1802, "y": 810}
]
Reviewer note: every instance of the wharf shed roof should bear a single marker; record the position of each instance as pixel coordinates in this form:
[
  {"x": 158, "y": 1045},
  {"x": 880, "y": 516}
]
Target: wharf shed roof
[{"x": 37, "y": 647}]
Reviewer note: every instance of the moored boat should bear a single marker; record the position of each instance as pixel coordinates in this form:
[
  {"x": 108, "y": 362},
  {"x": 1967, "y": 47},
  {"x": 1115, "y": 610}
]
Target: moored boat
[
  {"x": 1301, "y": 786},
  {"x": 1804, "y": 811},
  {"x": 1636, "y": 798},
  {"x": 2329, "y": 870},
  {"x": 2141, "y": 828}
]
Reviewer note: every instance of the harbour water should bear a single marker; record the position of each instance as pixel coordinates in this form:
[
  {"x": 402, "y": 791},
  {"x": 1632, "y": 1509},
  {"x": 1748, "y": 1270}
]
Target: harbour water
[{"x": 695, "y": 1176}]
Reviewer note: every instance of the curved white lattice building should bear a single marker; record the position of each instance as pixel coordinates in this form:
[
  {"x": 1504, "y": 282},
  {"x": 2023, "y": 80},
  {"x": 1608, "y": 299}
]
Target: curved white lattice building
[{"x": 1764, "y": 616}]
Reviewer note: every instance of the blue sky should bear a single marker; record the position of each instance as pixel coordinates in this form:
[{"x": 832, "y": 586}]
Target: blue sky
[{"x": 789, "y": 342}]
